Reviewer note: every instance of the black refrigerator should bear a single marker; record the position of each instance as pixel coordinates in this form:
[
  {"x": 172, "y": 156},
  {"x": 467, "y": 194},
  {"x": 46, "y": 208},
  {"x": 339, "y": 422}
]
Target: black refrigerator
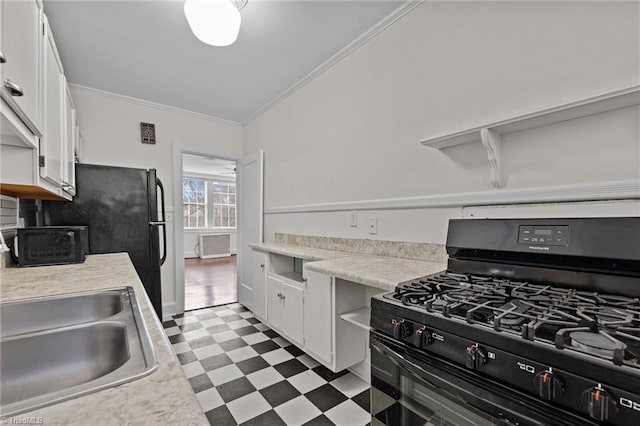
[{"x": 120, "y": 207}]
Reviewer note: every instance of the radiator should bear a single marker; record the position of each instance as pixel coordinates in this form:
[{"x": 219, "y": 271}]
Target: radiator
[{"x": 214, "y": 245}]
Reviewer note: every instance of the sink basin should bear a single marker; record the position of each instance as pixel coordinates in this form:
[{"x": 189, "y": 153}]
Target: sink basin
[
  {"x": 61, "y": 347},
  {"x": 52, "y": 312}
]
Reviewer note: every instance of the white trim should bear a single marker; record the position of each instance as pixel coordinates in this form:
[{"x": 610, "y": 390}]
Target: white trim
[
  {"x": 155, "y": 105},
  {"x": 168, "y": 309},
  {"x": 338, "y": 56},
  {"x": 613, "y": 190},
  {"x": 208, "y": 176},
  {"x": 178, "y": 231}
]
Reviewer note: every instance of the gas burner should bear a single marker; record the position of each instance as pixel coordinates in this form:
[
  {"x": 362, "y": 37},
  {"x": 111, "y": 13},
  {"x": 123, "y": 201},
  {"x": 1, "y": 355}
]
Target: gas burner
[
  {"x": 601, "y": 343},
  {"x": 605, "y": 326},
  {"x": 595, "y": 343}
]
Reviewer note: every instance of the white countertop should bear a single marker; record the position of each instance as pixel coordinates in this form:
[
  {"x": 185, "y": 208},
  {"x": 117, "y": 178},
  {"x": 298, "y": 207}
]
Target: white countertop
[
  {"x": 376, "y": 271},
  {"x": 163, "y": 397},
  {"x": 306, "y": 253},
  {"x": 382, "y": 272}
]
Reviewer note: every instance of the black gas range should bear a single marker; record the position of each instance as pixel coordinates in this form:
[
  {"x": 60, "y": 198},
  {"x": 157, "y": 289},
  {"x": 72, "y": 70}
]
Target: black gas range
[{"x": 535, "y": 321}]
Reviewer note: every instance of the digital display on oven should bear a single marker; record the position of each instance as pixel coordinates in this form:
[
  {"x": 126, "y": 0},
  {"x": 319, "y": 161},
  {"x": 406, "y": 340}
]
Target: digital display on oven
[{"x": 544, "y": 235}]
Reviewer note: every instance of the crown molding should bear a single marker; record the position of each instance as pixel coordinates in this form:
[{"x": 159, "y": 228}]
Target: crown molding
[
  {"x": 613, "y": 190},
  {"x": 337, "y": 57},
  {"x": 155, "y": 105}
]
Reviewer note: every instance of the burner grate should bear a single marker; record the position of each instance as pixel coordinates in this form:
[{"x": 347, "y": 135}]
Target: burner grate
[{"x": 536, "y": 312}]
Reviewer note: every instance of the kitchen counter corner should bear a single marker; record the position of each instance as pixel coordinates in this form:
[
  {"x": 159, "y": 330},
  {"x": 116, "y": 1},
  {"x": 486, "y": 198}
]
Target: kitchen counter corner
[
  {"x": 163, "y": 397},
  {"x": 376, "y": 271},
  {"x": 301, "y": 252}
]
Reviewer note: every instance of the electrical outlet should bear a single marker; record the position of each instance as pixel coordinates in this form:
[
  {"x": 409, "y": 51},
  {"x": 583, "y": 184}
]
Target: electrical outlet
[
  {"x": 354, "y": 219},
  {"x": 373, "y": 225}
]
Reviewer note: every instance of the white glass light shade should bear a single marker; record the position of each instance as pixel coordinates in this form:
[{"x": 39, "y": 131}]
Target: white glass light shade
[{"x": 215, "y": 22}]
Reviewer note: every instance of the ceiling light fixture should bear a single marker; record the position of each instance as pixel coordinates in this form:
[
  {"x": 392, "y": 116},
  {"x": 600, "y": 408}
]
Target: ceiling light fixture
[{"x": 214, "y": 22}]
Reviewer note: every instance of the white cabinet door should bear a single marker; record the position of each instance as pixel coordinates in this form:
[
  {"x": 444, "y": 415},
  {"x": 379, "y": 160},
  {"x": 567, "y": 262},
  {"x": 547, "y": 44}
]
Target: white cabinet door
[
  {"x": 69, "y": 143},
  {"x": 249, "y": 207},
  {"x": 51, "y": 146},
  {"x": 259, "y": 262},
  {"x": 21, "y": 42},
  {"x": 318, "y": 315},
  {"x": 292, "y": 312},
  {"x": 274, "y": 302}
]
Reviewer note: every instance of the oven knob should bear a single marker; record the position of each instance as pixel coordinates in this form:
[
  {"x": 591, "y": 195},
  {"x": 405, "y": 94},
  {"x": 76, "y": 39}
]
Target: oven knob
[
  {"x": 548, "y": 385},
  {"x": 407, "y": 329},
  {"x": 422, "y": 337},
  {"x": 401, "y": 329},
  {"x": 397, "y": 328},
  {"x": 599, "y": 403},
  {"x": 475, "y": 357}
]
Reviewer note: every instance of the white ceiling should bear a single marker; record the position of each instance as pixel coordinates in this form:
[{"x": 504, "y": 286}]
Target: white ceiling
[
  {"x": 199, "y": 165},
  {"x": 145, "y": 49}
]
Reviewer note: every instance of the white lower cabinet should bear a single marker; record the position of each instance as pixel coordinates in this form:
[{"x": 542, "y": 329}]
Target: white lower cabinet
[
  {"x": 284, "y": 308},
  {"x": 317, "y": 316},
  {"x": 259, "y": 274},
  {"x": 325, "y": 316},
  {"x": 332, "y": 341}
]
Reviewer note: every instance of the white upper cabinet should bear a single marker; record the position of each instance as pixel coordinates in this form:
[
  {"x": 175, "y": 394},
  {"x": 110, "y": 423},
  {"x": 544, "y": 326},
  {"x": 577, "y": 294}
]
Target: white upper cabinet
[
  {"x": 22, "y": 67},
  {"x": 52, "y": 142},
  {"x": 39, "y": 134},
  {"x": 69, "y": 143}
]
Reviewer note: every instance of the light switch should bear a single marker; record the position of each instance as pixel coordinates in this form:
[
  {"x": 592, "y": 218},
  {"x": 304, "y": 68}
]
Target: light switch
[
  {"x": 354, "y": 219},
  {"x": 373, "y": 225}
]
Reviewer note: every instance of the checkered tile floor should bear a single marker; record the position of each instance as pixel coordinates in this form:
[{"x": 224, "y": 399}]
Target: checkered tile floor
[{"x": 244, "y": 373}]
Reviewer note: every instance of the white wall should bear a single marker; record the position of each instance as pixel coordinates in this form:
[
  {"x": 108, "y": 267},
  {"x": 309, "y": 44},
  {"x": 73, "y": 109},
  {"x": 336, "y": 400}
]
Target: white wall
[
  {"x": 353, "y": 132},
  {"x": 110, "y": 127}
]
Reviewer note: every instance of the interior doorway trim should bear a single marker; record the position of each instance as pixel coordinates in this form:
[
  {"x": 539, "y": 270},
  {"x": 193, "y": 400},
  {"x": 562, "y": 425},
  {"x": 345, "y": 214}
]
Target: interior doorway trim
[{"x": 178, "y": 230}]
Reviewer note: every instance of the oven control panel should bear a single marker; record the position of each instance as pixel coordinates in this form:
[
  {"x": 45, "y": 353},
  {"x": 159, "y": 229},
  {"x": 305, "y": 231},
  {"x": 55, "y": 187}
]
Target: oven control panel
[
  {"x": 544, "y": 235},
  {"x": 588, "y": 398}
]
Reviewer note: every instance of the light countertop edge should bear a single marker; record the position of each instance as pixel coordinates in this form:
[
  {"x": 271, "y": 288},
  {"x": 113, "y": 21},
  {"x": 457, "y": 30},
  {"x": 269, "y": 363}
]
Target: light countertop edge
[
  {"x": 376, "y": 271},
  {"x": 305, "y": 253},
  {"x": 381, "y": 272},
  {"x": 163, "y": 397}
]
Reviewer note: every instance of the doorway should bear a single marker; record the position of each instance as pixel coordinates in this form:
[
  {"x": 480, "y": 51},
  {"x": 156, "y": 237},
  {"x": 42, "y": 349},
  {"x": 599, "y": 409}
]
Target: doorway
[{"x": 209, "y": 220}]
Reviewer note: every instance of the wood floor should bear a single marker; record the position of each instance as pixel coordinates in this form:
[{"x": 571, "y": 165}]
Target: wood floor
[{"x": 209, "y": 282}]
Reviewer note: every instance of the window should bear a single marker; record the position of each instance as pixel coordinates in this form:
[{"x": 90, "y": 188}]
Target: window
[
  {"x": 224, "y": 204},
  {"x": 194, "y": 203}
]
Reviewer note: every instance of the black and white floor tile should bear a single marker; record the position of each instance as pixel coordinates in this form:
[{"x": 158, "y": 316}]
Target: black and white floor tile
[{"x": 245, "y": 373}]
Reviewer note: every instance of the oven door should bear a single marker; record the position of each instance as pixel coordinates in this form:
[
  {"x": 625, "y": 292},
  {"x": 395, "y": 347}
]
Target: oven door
[{"x": 410, "y": 387}]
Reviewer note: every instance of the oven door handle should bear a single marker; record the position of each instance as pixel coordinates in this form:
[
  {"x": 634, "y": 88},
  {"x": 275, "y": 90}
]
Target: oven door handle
[{"x": 400, "y": 360}]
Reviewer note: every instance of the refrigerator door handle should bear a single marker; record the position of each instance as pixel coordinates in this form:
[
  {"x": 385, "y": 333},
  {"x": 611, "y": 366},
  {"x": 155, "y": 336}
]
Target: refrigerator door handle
[{"x": 163, "y": 222}]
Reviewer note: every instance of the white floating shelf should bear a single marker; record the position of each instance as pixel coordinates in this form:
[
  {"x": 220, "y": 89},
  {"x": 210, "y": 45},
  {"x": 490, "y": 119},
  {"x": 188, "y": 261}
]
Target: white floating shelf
[
  {"x": 490, "y": 133},
  {"x": 582, "y": 108},
  {"x": 360, "y": 318}
]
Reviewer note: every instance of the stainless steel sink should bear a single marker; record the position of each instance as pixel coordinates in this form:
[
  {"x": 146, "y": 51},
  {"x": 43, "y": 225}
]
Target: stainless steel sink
[
  {"x": 57, "y": 348},
  {"x": 30, "y": 315}
]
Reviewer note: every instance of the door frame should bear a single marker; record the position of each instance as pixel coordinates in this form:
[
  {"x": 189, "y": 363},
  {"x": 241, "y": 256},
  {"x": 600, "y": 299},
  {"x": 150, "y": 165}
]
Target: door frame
[{"x": 178, "y": 229}]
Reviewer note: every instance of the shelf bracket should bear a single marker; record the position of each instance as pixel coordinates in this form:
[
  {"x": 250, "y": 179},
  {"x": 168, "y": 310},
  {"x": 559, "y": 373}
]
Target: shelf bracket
[{"x": 491, "y": 141}]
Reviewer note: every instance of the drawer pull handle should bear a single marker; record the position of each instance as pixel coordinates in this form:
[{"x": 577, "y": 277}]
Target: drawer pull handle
[
  {"x": 13, "y": 88},
  {"x": 2, "y": 58}
]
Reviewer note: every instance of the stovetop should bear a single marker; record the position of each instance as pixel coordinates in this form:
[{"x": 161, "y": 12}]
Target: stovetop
[{"x": 599, "y": 325}]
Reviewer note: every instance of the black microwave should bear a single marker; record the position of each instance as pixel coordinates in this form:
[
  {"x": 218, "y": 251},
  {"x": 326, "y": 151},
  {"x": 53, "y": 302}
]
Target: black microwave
[{"x": 52, "y": 245}]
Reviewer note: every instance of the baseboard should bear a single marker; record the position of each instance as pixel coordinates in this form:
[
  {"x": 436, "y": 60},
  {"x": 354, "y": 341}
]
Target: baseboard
[{"x": 193, "y": 255}]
